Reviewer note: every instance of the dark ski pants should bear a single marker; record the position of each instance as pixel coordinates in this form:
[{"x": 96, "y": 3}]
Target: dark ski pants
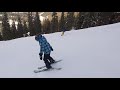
[{"x": 48, "y": 60}]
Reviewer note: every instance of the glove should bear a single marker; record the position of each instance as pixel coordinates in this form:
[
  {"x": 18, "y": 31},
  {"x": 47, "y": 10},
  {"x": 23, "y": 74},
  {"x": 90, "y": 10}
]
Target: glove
[
  {"x": 51, "y": 48},
  {"x": 40, "y": 58},
  {"x": 40, "y": 54}
]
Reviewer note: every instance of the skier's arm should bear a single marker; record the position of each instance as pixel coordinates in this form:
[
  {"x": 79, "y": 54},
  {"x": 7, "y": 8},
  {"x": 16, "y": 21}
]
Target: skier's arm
[
  {"x": 44, "y": 39},
  {"x": 41, "y": 51},
  {"x": 50, "y": 46},
  {"x": 47, "y": 42},
  {"x": 40, "y": 54}
]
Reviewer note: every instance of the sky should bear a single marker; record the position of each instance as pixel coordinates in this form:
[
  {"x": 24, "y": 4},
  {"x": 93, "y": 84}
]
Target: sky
[{"x": 87, "y": 53}]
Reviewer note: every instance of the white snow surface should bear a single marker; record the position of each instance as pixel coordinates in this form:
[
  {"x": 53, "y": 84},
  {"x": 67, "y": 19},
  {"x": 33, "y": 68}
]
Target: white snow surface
[{"x": 87, "y": 53}]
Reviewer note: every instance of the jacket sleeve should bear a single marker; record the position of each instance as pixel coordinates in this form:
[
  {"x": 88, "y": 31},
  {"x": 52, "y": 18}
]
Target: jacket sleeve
[
  {"x": 48, "y": 43},
  {"x": 42, "y": 45},
  {"x": 44, "y": 39},
  {"x": 51, "y": 48},
  {"x": 41, "y": 51}
]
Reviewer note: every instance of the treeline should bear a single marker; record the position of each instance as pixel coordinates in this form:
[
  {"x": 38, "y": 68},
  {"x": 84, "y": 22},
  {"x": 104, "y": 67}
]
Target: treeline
[
  {"x": 66, "y": 22},
  {"x": 91, "y": 19},
  {"x": 79, "y": 21},
  {"x": 30, "y": 27}
]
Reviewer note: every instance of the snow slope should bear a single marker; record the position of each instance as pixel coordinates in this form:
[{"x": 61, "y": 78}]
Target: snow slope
[{"x": 87, "y": 53}]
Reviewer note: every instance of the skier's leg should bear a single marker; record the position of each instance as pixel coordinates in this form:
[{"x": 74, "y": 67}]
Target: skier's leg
[
  {"x": 50, "y": 59},
  {"x": 46, "y": 61},
  {"x": 62, "y": 34}
]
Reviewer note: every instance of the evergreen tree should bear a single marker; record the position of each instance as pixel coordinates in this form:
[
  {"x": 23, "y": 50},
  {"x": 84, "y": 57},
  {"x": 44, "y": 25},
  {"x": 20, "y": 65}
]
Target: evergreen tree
[
  {"x": 6, "y": 27},
  {"x": 37, "y": 24},
  {"x": 62, "y": 22},
  {"x": 14, "y": 30},
  {"x": 79, "y": 20},
  {"x": 30, "y": 24},
  {"x": 96, "y": 18},
  {"x": 87, "y": 20},
  {"x": 105, "y": 17},
  {"x": 115, "y": 17},
  {"x": 48, "y": 26},
  {"x": 69, "y": 20},
  {"x": 20, "y": 28},
  {"x": 91, "y": 19},
  {"x": 25, "y": 28},
  {"x": 43, "y": 26},
  {"x": 1, "y": 37},
  {"x": 54, "y": 22}
]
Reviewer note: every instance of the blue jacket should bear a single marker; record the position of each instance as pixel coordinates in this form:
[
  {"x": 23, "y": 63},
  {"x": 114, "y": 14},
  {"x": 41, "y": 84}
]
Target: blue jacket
[{"x": 45, "y": 47}]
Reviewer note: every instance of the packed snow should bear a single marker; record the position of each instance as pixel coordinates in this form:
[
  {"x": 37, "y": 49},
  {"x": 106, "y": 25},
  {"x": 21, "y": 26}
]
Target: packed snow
[{"x": 87, "y": 53}]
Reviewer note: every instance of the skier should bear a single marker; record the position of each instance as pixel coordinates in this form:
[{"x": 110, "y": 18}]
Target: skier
[
  {"x": 63, "y": 30},
  {"x": 45, "y": 48}
]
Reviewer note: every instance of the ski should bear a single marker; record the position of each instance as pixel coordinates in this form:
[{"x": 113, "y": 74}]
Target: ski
[
  {"x": 52, "y": 63},
  {"x": 37, "y": 71}
]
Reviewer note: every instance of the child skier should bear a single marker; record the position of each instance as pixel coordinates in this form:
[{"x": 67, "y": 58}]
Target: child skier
[
  {"x": 45, "y": 48},
  {"x": 63, "y": 30}
]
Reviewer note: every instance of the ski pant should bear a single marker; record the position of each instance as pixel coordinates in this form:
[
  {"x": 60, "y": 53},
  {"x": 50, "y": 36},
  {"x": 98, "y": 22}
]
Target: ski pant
[
  {"x": 47, "y": 60},
  {"x": 62, "y": 33}
]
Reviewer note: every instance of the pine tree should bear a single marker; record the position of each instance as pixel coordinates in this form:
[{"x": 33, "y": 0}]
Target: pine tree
[
  {"x": 25, "y": 28},
  {"x": 30, "y": 24},
  {"x": 90, "y": 19},
  {"x": 43, "y": 26},
  {"x": 14, "y": 30},
  {"x": 96, "y": 18},
  {"x": 37, "y": 24},
  {"x": 62, "y": 22},
  {"x": 1, "y": 37},
  {"x": 6, "y": 28},
  {"x": 69, "y": 20},
  {"x": 87, "y": 20},
  {"x": 20, "y": 28},
  {"x": 48, "y": 26},
  {"x": 79, "y": 20},
  {"x": 54, "y": 22},
  {"x": 115, "y": 17},
  {"x": 105, "y": 17}
]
